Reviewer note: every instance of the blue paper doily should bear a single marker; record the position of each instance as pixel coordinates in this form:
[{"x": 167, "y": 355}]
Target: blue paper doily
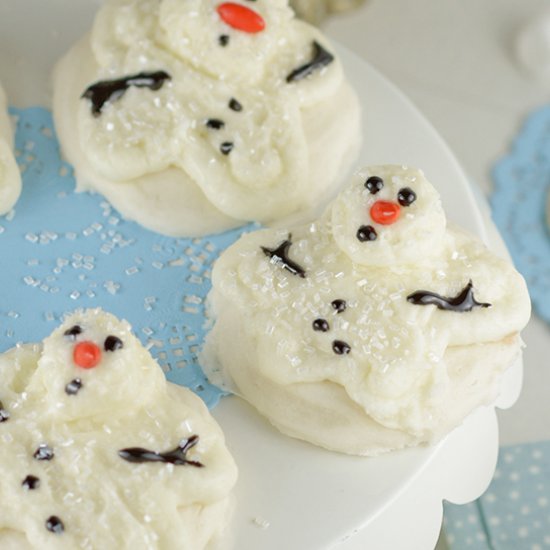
[
  {"x": 521, "y": 187},
  {"x": 514, "y": 512},
  {"x": 64, "y": 250}
]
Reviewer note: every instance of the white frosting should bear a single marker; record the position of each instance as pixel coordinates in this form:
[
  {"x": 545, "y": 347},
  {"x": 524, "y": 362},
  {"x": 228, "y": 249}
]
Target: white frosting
[
  {"x": 406, "y": 372},
  {"x": 124, "y": 402},
  {"x": 281, "y": 138},
  {"x": 10, "y": 178}
]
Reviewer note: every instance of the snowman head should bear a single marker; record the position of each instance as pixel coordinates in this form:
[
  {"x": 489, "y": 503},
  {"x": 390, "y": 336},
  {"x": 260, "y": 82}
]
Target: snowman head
[
  {"x": 389, "y": 215},
  {"x": 93, "y": 365},
  {"x": 231, "y": 40}
]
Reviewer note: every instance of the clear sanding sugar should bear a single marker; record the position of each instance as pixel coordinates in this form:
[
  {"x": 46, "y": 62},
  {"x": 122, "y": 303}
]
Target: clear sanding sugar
[{"x": 64, "y": 251}]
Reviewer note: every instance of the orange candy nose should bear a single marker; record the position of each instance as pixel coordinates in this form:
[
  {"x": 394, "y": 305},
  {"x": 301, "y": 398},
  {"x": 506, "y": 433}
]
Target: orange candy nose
[
  {"x": 384, "y": 212},
  {"x": 240, "y": 17},
  {"x": 86, "y": 355}
]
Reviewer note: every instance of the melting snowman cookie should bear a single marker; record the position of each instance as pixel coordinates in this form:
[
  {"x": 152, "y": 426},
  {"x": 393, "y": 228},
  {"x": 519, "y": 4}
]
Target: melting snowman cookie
[
  {"x": 10, "y": 178},
  {"x": 97, "y": 450},
  {"x": 194, "y": 116},
  {"x": 374, "y": 328}
]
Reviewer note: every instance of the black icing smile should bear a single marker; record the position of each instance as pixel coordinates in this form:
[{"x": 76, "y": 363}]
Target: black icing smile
[{"x": 111, "y": 90}]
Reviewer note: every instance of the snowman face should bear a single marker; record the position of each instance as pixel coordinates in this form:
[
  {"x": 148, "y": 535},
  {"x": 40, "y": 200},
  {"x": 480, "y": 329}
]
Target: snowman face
[
  {"x": 231, "y": 40},
  {"x": 92, "y": 365},
  {"x": 390, "y": 215}
]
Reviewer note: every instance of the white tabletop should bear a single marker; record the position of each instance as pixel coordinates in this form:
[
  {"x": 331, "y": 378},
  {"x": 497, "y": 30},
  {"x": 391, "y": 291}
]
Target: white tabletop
[{"x": 455, "y": 60}]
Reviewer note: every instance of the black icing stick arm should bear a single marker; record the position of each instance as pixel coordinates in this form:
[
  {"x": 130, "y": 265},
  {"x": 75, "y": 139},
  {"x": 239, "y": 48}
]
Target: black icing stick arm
[
  {"x": 464, "y": 301},
  {"x": 279, "y": 256},
  {"x": 177, "y": 456},
  {"x": 321, "y": 58},
  {"x": 111, "y": 90}
]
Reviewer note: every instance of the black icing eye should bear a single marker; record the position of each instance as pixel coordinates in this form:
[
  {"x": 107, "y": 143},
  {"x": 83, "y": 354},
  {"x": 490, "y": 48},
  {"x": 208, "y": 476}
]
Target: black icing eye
[
  {"x": 55, "y": 525},
  {"x": 374, "y": 184},
  {"x": 320, "y": 325},
  {"x": 73, "y": 332},
  {"x": 112, "y": 343},
  {"x": 223, "y": 39},
  {"x": 406, "y": 196}
]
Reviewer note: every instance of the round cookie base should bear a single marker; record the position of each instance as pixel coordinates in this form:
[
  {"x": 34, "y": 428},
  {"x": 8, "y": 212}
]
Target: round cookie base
[{"x": 322, "y": 413}]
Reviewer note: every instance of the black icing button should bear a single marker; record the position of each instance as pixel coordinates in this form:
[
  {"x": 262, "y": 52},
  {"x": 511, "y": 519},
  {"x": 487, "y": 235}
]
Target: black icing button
[
  {"x": 55, "y": 525},
  {"x": 215, "y": 123},
  {"x": 340, "y": 348},
  {"x": 73, "y": 387},
  {"x": 4, "y": 414},
  {"x": 339, "y": 305},
  {"x": 366, "y": 233},
  {"x": 320, "y": 325},
  {"x": 226, "y": 147},
  {"x": 31, "y": 483},
  {"x": 44, "y": 452},
  {"x": 234, "y": 105}
]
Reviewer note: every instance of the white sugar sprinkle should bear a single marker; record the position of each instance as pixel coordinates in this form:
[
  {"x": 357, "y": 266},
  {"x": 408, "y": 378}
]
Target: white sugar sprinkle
[
  {"x": 177, "y": 262},
  {"x": 111, "y": 287}
]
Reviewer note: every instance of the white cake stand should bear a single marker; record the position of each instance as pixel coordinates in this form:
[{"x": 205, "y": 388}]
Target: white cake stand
[
  {"x": 294, "y": 496},
  {"x": 290, "y": 494}
]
